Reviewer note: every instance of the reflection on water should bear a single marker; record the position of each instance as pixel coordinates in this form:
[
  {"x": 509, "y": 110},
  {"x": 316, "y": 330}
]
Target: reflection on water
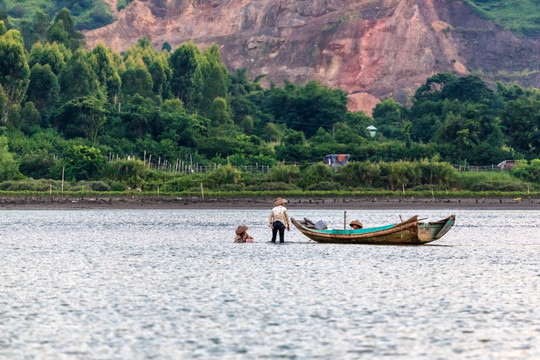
[{"x": 170, "y": 284}]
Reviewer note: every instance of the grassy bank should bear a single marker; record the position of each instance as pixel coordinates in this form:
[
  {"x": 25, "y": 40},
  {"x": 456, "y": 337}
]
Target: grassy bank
[{"x": 270, "y": 194}]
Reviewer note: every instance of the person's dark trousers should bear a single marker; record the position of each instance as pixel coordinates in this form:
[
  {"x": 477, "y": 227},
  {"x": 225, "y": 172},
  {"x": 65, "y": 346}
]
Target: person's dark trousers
[{"x": 278, "y": 225}]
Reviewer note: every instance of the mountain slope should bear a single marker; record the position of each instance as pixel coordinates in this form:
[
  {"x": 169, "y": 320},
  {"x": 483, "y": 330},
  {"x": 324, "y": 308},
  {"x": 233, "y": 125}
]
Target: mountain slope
[{"x": 373, "y": 49}]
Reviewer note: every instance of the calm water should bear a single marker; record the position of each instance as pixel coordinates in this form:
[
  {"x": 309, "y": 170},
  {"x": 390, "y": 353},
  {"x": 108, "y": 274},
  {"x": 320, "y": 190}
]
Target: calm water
[{"x": 170, "y": 284}]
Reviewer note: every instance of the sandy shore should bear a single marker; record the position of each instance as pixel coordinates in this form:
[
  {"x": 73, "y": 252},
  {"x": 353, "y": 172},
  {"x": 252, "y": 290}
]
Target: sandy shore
[{"x": 170, "y": 202}]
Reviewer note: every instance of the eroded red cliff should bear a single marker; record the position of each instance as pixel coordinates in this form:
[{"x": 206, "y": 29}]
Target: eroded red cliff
[{"x": 372, "y": 49}]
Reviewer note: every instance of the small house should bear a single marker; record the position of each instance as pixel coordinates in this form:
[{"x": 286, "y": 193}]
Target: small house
[
  {"x": 507, "y": 165},
  {"x": 336, "y": 159}
]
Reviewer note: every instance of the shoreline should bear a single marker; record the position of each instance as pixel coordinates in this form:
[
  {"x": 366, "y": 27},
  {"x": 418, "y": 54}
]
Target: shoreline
[{"x": 195, "y": 203}]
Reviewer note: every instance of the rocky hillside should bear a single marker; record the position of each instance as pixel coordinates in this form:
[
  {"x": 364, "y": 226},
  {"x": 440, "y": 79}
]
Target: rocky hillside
[{"x": 373, "y": 49}]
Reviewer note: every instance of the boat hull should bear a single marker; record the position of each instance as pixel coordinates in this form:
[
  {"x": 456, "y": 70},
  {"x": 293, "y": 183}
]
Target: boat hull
[{"x": 408, "y": 232}]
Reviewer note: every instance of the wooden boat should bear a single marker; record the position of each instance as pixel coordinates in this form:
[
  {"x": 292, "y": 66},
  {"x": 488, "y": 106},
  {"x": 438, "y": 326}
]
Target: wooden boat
[{"x": 408, "y": 232}]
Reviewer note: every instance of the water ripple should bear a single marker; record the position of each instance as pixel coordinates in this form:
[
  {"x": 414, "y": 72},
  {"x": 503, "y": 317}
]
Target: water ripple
[{"x": 170, "y": 284}]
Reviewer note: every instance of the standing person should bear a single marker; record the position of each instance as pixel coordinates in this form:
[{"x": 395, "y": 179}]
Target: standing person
[{"x": 279, "y": 220}]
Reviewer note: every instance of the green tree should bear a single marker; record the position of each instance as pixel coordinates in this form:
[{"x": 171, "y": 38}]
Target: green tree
[
  {"x": 82, "y": 116},
  {"x": 247, "y": 124},
  {"x": 426, "y": 111},
  {"x": 83, "y": 162},
  {"x": 3, "y": 100},
  {"x": 390, "y": 119},
  {"x": 9, "y": 170},
  {"x": 77, "y": 78},
  {"x": 407, "y": 134},
  {"x": 136, "y": 80},
  {"x": 30, "y": 117},
  {"x": 306, "y": 108},
  {"x": 272, "y": 132},
  {"x": 469, "y": 88},
  {"x": 184, "y": 129},
  {"x": 44, "y": 89},
  {"x": 105, "y": 68},
  {"x": 521, "y": 123},
  {"x": 55, "y": 55},
  {"x": 432, "y": 89},
  {"x": 293, "y": 148},
  {"x": 215, "y": 78},
  {"x": 220, "y": 113},
  {"x": 35, "y": 30},
  {"x": 157, "y": 64},
  {"x": 187, "y": 77},
  {"x": 158, "y": 67},
  {"x": 3, "y": 28},
  {"x": 166, "y": 47},
  {"x": 14, "y": 71},
  {"x": 463, "y": 133},
  {"x": 63, "y": 31},
  {"x": 99, "y": 16},
  {"x": 57, "y": 33},
  {"x": 140, "y": 117}
]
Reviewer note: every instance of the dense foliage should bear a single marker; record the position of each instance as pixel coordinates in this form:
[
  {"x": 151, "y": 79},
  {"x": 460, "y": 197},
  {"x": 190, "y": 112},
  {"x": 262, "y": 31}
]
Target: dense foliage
[{"x": 71, "y": 111}]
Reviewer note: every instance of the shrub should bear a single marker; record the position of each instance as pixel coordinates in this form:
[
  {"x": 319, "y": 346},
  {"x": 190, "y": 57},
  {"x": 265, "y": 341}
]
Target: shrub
[
  {"x": 437, "y": 173},
  {"x": 316, "y": 174},
  {"x": 325, "y": 186},
  {"x": 403, "y": 173},
  {"x": 84, "y": 162},
  {"x": 40, "y": 165},
  {"x": 358, "y": 174},
  {"x": 130, "y": 172},
  {"x": 479, "y": 181},
  {"x": 99, "y": 186},
  {"x": 117, "y": 186},
  {"x": 284, "y": 173},
  {"x": 231, "y": 187},
  {"x": 528, "y": 172},
  {"x": 9, "y": 170},
  {"x": 179, "y": 184},
  {"x": 273, "y": 186},
  {"x": 499, "y": 185},
  {"x": 223, "y": 175},
  {"x": 30, "y": 185}
]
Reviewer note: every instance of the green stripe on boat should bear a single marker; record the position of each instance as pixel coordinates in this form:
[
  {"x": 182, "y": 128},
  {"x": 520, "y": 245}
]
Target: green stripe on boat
[{"x": 360, "y": 231}]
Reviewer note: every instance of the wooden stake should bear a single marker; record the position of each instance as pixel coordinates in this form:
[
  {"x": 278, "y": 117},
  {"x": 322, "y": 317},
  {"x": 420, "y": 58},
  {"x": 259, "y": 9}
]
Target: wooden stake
[
  {"x": 202, "y": 191},
  {"x": 63, "y": 169}
]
